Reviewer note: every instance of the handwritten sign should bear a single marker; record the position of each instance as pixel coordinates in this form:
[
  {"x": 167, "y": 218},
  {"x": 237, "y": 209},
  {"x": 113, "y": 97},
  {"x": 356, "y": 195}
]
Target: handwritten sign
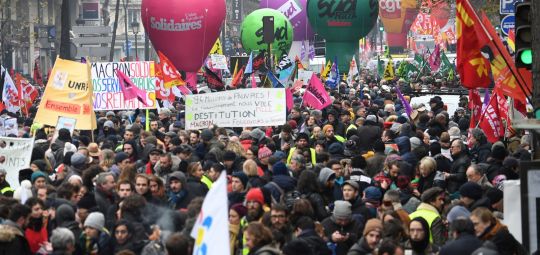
[
  {"x": 238, "y": 108},
  {"x": 219, "y": 61},
  {"x": 107, "y": 92},
  {"x": 15, "y": 154},
  {"x": 8, "y": 126},
  {"x": 305, "y": 76}
]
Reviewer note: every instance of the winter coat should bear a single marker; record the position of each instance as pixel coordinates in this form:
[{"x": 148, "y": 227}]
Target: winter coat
[
  {"x": 196, "y": 187},
  {"x": 103, "y": 201},
  {"x": 464, "y": 244},
  {"x": 12, "y": 240},
  {"x": 503, "y": 239},
  {"x": 265, "y": 250},
  {"x": 480, "y": 152},
  {"x": 368, "y": 134},
  {"x": 360, "y": 248},
  {"x": 353, "y": 228},
  {"x": 458, "y": 171},
  {"x": 404, "y": 146},
  {"x": 164, "y": 173},
  {"x": 315, "y": 242}
]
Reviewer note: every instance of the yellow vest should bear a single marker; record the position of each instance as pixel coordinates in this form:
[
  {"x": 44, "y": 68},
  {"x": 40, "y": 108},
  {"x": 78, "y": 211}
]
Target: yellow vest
[
  {"x": 207, "y": 181},
  {"x": 428, "y": 215},
  {"x": 311, "y": 150}
]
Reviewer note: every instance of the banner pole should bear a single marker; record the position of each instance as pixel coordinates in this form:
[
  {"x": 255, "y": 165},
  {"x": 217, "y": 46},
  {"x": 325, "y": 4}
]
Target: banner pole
[{"x": 147, "y": 121}]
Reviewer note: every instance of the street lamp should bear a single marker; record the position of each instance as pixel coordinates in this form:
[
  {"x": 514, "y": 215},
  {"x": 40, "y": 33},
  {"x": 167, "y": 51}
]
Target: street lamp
[{"x": 135, "y": 28}]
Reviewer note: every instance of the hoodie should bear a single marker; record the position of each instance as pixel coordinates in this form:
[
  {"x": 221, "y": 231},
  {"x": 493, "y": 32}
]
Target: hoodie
[{"x": 404, "y": 145}]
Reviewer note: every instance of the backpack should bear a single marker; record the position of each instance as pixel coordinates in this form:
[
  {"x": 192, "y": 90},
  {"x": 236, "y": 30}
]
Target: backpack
[{"x": 287, "y": 198}]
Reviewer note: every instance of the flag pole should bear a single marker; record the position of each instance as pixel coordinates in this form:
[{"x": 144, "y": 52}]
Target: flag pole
[{"x": 147, "y": 121}]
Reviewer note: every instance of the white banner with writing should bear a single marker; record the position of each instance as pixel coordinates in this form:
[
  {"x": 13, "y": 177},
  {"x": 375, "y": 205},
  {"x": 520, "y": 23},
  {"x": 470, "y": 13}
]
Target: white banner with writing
[
  {"x": 15, "y": 154},
  {"x": 236, "y": 108}
]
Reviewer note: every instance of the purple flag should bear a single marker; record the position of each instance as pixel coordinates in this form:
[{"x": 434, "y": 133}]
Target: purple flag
[{"x": 404, "y": 101}]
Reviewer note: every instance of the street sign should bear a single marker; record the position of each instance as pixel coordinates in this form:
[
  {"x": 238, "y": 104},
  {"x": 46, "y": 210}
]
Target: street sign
[
  {"x": 507, "y": 23},
  {"x": 508, "y": 6}
]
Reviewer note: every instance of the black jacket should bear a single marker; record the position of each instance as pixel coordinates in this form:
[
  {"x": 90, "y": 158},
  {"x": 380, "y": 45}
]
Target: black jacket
[
  {"x": 316, "y": 243},
  {"x": 480, "y": 152},
  {"x": 353, "y": 228},
  {"x": 458, "y": 172},
  {"x": 464, "y": 244},
  {"x": 360, "y": 248}
]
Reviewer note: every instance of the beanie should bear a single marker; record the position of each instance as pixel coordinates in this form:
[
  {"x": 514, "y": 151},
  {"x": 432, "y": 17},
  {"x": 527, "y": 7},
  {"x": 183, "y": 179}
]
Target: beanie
[
  {"x": 78, "y": 159},
  {"x": 207, "y": 135},
  {"x": 280, "y": 155},
  {"x": 229, "y": 156},
  {"x": 371, "y": 118},
  {"x": 38, "y": 174},
  {"x": 457, "y": 212},
  {"x": 454, "y": 133},
  {"x": 342, "y": 209},
  {"x": 88, "y": 201},
  {"x": 108, "y": 124},
  {"x": 280, "y": 169},
  {"x": 242, "y": 176},
  {"x": 373, "y": 193},
  {"x": 257, "y": 134},
  {"x": 120, "y": 156},
  {"x": 373, "y": 225},
  {"x": 41, "y": 164},
  {"x": 255, "y": 194},
  {"x": 498, "y": 152},
  {"x": 415, "y": 142},
  {"x": 471, "y": 190},
  {"x": 95, "y": 220},
  {"x": 264, "y": 152},
  {"x": 335, "y": 148},
  {"x": 240, "y": 209},
  {"x": 495, "y": 195}
]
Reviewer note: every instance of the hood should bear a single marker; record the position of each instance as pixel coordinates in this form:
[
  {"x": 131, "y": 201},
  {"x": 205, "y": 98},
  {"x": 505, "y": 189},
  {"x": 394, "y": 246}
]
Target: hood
[
  {"x": 285, "y": 182},
  {"x": 8, "y": 233},
  {"x": 325, "y": 174},
  {"x": 64, "y": 214},
  {"x": 404, "y": 144}
]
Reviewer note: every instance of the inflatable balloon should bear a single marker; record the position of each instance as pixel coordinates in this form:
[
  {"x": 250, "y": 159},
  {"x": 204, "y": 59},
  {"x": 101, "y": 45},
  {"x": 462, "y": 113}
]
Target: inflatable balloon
[
  {"x": 295, "y": 11},
  {"x": 342, "y": 23},
  {"x": 251, "y": 32},
  {"x": 397, "y": 17},
  {"x": 184, "y": 31}
]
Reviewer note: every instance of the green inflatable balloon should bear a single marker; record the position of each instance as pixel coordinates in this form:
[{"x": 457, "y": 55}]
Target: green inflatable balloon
[
  {"x": 251, "y": 32},
  {"x": 342, "y": 23}
]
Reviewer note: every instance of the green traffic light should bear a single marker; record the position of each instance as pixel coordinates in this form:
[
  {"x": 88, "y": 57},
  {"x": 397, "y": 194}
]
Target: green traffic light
[
  {"x": 526, "y": 56},
  {"x": 381, "y": 29}
]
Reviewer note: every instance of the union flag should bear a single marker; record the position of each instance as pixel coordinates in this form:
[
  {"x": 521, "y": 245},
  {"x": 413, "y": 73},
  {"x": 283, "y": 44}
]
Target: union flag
[
  {"x": 171, "y": 76},
  {"x": 472, "y": 65}
]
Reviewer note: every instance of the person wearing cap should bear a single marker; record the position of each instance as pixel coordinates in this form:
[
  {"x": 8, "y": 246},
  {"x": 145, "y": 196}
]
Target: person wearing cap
[
  {"x": 236, "y": 213},
  {"x": 351, "y": 194},
  {"x": 302, "y": 145},
  {"x": 330, "y": 137},
  {"x": 239, "y": 181},
  {"x": 430, "y": 209},
  {"x": 340, "y": 228},
  {"x": 333, "y": 119},
  {"x": 147, "y": 166},
  {"x": 95, "y": 238},
  {"x": 256, "y": 207},
  {"x": 472, "y": 196},
  {"x": 178, "y": 196}
]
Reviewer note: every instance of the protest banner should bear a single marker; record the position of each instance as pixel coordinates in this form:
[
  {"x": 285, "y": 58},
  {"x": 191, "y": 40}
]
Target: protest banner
[
  {"x": 305, "y": 76},
  {"x": 15, "y": 154},
  {"x": 107, "y": 92},
  {"x": 68, "y": 93},
  {"x": 67, "y": 123},
  {"x": 237, "y": 108}
]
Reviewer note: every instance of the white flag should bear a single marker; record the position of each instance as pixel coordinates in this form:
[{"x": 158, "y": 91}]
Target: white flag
[
  {"x": 10, "y": 93},
  {"x": 211, "y": 230},
  {"x": 353, "y": 71}
]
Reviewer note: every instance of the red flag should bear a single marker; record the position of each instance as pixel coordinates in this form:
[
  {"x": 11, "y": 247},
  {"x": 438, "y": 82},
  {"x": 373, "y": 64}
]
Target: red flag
[
  {"x": 37, "y": 73},
  {"x": 475, "y": 105},
  {"x": 491, "y": 122},
  {"x": 162, "y": 92},
  {"x": 129, "y": 89},
  {"x": 505, "y": 74},
  {"x": 171, "y": 76},
  {"x": 472, "y": 66},
  {"x": 237, "y": 79},
  {"x": 191, "y": 81}
]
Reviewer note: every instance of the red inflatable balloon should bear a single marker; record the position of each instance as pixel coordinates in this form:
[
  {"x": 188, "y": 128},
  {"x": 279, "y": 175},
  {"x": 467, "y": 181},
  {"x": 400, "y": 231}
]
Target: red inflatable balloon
[{"x": 184, "y": 30}]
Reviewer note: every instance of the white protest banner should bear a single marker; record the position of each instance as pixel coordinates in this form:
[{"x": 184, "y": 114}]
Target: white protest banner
[
  {"x": 2, "y": 128},
  {"x": 219, "y": 61},
  {"x": 236, "y": 108},
  {"x": 15, "y": 154},
  {"x": 107, "y": 92},
  {"x": 305, "y": 76}
]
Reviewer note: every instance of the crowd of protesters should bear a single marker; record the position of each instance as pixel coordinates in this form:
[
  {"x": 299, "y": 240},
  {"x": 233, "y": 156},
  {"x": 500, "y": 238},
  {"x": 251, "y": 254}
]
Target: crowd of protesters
[{"x": 358, "y": 177}]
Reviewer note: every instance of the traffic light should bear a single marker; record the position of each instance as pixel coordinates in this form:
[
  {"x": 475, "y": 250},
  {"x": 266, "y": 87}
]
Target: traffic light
[{"x": 523, "y": 55}]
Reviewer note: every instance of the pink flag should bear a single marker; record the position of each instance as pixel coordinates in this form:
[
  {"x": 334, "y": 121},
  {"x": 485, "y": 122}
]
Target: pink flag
[
  {"x": 315, "y": 95},
  {"x": 184, "y": 90},
  {"x": 435, "y": 58},
  {"x": 289, "y": 98},
  {"x": 129, "y": 89},
  {"x": 191, "y": 80},
  {"x": 253, "y": 82}
]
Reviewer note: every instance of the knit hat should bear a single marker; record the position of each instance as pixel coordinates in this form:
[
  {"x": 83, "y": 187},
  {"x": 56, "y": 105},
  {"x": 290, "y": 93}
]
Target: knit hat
[
  {"x": 41, "y": 164},
  {"x": 471, "y": 190},
  {"x": 264, "y": 152},
  {"x": 255, "y": 194},
  {"x": 372, "y": 118},
  {"x": 454, "y": 133},
  {"x": 279, "y": 155},
  {"x": 110, "y": 113},
  {"x": 229, "y": 156},
  {"x": 177, "y": 175},
  {"x": 325, "y": 175},
  {"x": 280, "y": 169},
  {"x": 108, "y": 124},
  {"x": 373, "y": 193},
  {"x": 240, "y": 209},
  {"x": 78, "y": 159},
  {"x": 342, "y": 209},
  {"x": 457, "y": 212},
  {"x": 120, "y": 156},
  {"x": 335, "y": 148},
  {"x": 242, "y": 176},
  {"x": 257, "y": 134},
  {"x": 69, "y": 147},
  {"x": 495, "y": 195},
  {"x": 373, "y": 225},
  {"x": 95, "y": 220},
  {"x": 207, "y": 135},
  {"x": 38, "y": 174},
  {"x": 415, "y": 142},
  {"x": 88, "y": 201}
]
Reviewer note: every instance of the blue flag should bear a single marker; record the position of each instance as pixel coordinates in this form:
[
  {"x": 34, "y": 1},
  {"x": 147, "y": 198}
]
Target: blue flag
[
  {"x": 274, "y": 80},
  {"x": 249, "y": 67},
  {"x": 333, "y": 77}
]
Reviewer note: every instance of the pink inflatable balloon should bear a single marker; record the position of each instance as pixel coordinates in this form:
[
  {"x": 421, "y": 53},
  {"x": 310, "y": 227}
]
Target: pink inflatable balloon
[{"x": 184, "y": 30}]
